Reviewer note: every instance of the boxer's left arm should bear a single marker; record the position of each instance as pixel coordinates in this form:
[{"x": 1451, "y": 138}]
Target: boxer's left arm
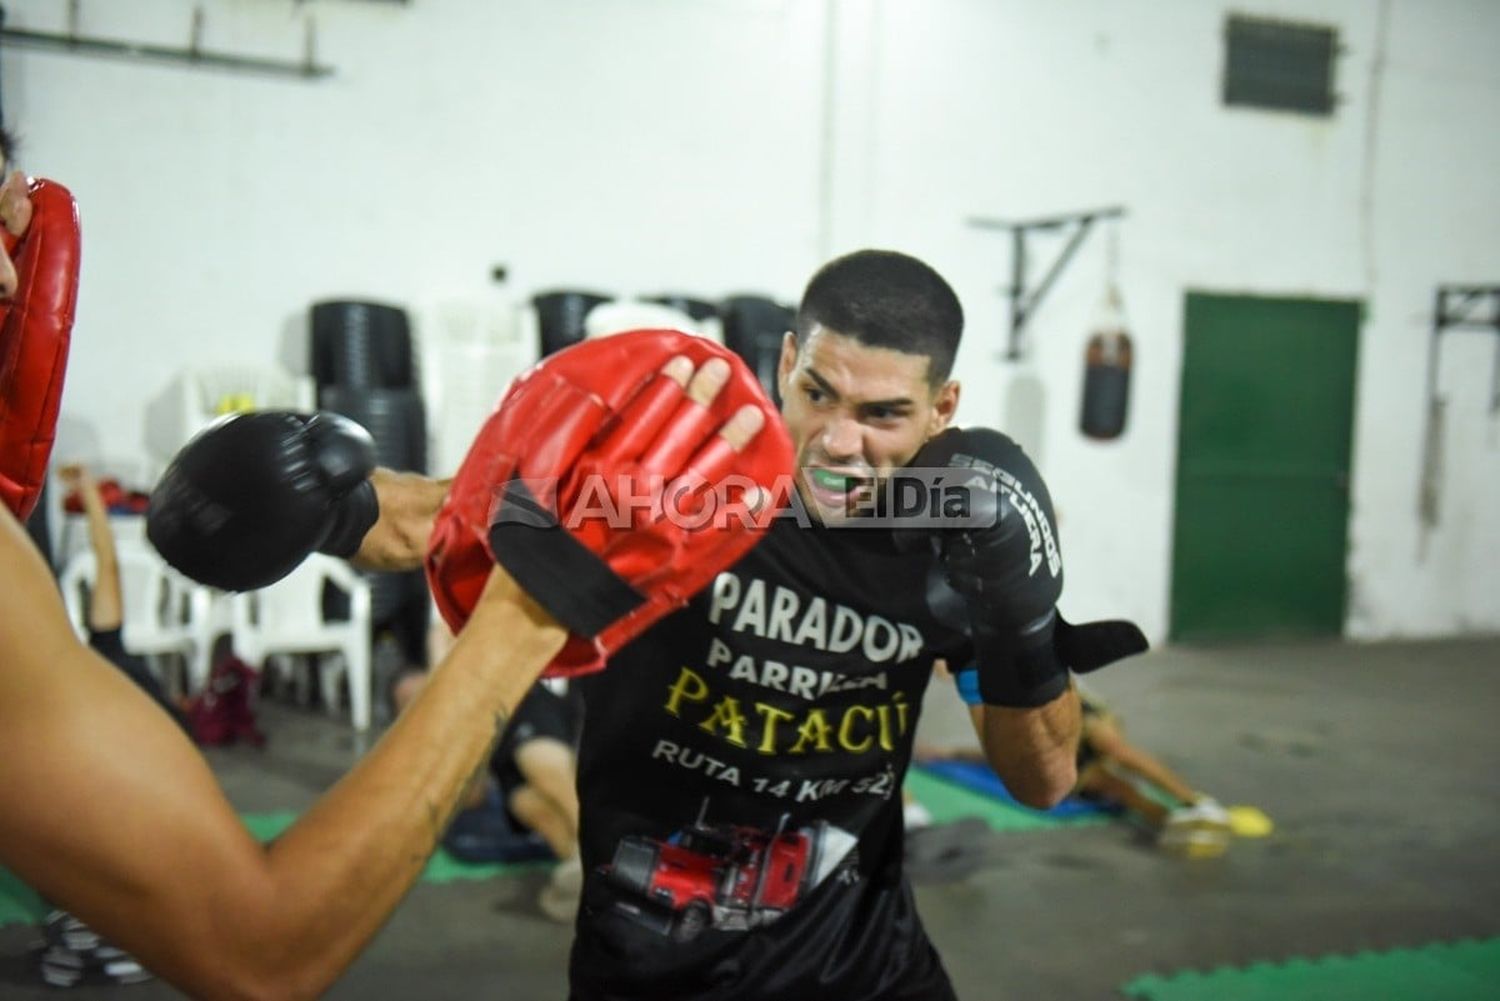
[
  {"x": 1034, "y": 751},
  {"x": 1040, "y": 743},
  {"x": 1009, "y": 574}
]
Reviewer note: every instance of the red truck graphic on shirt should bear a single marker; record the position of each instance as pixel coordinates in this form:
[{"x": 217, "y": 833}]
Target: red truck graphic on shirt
[{"x": 725, "y": 876}]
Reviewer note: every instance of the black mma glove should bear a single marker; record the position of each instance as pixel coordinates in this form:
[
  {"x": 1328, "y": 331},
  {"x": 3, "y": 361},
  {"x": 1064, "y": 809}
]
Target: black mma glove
[
  {"x": 250, "y": 497},
  {"x": 999, "y": 580}
]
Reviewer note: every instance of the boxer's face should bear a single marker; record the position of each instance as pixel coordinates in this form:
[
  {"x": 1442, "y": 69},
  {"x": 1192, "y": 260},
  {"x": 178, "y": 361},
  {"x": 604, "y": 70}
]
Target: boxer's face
[{"x": 855, "y": 412}]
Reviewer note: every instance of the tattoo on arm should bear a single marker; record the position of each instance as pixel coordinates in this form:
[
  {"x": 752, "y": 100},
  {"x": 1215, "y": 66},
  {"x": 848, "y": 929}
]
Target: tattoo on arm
[{"x": 438, "y": 820}]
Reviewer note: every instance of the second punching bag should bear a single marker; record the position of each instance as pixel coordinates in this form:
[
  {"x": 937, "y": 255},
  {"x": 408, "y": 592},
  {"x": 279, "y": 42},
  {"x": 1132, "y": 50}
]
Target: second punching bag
[{"x": 1106, "y": 373}]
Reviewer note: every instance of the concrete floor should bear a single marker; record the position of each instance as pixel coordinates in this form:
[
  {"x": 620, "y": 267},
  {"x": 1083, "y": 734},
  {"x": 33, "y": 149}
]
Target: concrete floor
[{"x": 1376, "y": 762}]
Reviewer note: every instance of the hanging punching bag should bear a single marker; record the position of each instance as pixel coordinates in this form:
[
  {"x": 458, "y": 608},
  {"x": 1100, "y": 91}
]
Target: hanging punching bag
[{"x": 1106, "y": 373}]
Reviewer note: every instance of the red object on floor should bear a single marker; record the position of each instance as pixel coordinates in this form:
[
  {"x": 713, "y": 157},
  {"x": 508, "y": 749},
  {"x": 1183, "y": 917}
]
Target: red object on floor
[{"x": 224, "y": 712}]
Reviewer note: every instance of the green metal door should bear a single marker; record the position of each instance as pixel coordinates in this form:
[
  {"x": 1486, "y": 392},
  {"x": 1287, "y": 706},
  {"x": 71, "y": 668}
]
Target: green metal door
[{"x": 1260, "y": 536}]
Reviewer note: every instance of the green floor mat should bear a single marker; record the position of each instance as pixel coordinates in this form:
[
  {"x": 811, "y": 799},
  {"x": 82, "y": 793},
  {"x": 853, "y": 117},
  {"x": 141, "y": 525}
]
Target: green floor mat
[
  {"x": 1466, "y": 970},
  {"x": 20, "y": 904},
  {"x": 441, "y": 868},
  {"x": 949, "y": 801}
]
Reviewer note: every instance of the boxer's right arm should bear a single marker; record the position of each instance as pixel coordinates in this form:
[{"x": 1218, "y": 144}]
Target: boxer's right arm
[
  {"x": 112, "y": 814},
  {"x": 409, "y": 504},
  {"x": 247, "y": 500}
]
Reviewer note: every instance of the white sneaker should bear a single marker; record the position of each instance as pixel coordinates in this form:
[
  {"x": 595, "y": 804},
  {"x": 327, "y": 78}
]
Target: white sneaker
[
  {"x": 916, "y": 816},
  {"x": 559, "y": 898},
  {"x": 1201, "y": 830}
]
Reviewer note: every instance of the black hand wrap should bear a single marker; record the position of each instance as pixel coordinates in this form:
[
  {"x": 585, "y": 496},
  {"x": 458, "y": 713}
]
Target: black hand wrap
[
  {"x": 1089, "y": 646},
  {"x": 1020, "y": 668}
]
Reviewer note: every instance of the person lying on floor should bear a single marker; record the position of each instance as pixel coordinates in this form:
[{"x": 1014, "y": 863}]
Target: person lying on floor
[
  {"x": 524, "y": 805},
  {"x": 1116, "y": 773}
]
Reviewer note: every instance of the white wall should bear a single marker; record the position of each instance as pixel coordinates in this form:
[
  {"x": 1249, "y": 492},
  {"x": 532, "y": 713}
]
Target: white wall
[{"x": 683, "y": 144}]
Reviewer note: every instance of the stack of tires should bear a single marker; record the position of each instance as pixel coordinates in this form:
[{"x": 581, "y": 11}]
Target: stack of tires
[
  {"x": 363, "y": 364},
  {"x": 560, "y": 316},
  {"x": 753, "y": 329}
]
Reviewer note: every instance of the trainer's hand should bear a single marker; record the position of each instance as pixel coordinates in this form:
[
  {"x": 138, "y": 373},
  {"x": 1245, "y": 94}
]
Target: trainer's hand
[
  {"x": 615, "y": 480},
  {"x": 15, "y": 215},
  {"x": 702, "y": 386}
]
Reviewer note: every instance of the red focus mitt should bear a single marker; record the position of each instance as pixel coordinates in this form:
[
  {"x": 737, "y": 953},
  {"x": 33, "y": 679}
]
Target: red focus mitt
[
  {"x": 35, "y": 325},
  {"x": 607, "y": 493}
]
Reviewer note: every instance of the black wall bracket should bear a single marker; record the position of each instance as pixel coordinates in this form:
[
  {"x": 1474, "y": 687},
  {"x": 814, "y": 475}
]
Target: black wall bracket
[
  {"x": 194, "y": 55},
  {"x": 1465, "y": 308},
  {"x": 1455, "y": 308},
  {"x": 1023, "y": 300}
]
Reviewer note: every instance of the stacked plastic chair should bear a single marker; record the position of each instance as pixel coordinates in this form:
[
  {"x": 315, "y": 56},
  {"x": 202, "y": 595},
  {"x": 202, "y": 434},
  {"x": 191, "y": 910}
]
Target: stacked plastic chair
[
  {"x": 195, "y": 398},
  {"x": 291, "y": 618},
  {"x": 164, "y": 612},
  {"x": 472, "y": 349}
]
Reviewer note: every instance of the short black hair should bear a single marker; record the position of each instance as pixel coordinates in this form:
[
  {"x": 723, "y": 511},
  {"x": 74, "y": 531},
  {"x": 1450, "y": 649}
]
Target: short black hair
[
  {"x": 887, "y": 300},
  {"x": 8, "y": 147}
]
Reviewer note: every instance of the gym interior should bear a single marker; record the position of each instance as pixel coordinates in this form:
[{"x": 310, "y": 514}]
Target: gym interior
[{"x": 1230, "y": 276}]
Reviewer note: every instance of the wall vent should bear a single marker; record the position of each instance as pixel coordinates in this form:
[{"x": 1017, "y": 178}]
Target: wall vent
[{"x": 1279, "y": 65}]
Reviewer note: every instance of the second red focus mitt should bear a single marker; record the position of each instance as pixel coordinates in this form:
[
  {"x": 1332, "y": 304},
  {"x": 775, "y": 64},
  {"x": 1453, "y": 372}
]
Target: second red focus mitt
[
  {"x": 607, "y": 493},
  {"x": 35, "y": 328}
]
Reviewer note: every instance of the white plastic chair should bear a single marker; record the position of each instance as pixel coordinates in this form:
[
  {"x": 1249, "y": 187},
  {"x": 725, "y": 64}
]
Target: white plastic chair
[
  {"x": 198, "y": 397},
  {"x": 287, "y": 619},
  {"x": 632, "y": 314},
  {"x": 164, "y": 612}
]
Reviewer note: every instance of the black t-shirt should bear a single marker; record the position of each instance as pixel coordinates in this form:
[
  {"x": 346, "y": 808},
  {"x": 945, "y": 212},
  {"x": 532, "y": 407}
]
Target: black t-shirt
[{"x": 740, "y": 778}]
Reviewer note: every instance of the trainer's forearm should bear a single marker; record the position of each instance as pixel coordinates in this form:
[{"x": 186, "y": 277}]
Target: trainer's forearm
[
  {"x": 408, "y": 504},
  {"x": 1035, "y": 751},
  {"x": 207, "y": 908},
  {"x": 346, "y": 863}
]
